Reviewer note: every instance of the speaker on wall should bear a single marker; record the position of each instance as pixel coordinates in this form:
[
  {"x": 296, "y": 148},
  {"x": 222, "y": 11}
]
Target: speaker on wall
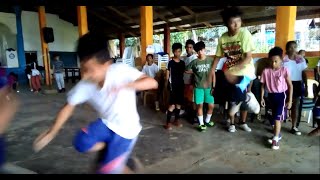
[{"x": 48, "y": 34}]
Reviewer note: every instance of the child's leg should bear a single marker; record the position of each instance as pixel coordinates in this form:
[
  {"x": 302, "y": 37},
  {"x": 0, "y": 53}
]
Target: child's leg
[
  {"x": 208, "y": 98},
  {"x": 95, "y": 138},
  {"x": 57, "y": 77},
  {"x": 34, "y": 84},
  {"x": 38, "y": 84}
]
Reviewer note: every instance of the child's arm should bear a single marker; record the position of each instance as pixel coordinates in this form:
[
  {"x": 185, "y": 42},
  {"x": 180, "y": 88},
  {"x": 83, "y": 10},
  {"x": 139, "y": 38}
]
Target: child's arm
[
  {"x": 290, "y": 88},
  {"x": 43, "y": 139},
  {"x": 263, "y": 104},
  {"x": 143, "y": 83}
]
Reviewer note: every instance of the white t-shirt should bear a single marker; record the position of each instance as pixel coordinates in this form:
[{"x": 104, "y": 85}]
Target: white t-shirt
[
  {"x": 118, "y": 111},
  {"x": 151, "y": 71},
  {"x": 295, "y": 69},
  {"x": 187, "y": 60}
]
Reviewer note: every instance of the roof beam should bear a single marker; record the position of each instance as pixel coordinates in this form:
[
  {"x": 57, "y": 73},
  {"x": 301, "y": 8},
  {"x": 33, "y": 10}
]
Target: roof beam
[
  {"x": 165, "y": 19},
  {"x": 123, "y": 29},
  {"x": 122, "y": 14},
  {"x": 193, "y": 13}
]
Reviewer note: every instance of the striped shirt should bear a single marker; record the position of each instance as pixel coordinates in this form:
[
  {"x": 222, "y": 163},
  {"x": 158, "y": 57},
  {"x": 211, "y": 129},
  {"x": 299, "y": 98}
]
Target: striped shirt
[{"x": 58, "y": 66}]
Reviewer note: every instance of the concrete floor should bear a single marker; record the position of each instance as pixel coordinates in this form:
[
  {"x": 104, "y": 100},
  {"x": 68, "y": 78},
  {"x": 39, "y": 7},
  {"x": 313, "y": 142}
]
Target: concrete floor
[{"x": 182, "y": 150}]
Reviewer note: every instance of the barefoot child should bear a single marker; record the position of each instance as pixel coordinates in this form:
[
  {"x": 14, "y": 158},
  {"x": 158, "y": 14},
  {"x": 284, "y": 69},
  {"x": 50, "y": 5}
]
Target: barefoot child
[
  {"x": 277, "y": 81},
  {"x": 111, "y": 90}
]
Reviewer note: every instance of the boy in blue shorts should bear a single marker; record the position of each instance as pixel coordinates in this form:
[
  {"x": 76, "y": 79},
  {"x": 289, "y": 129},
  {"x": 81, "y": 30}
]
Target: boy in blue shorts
[
  {"x": 110, "y": 89},
  {"x": 277, "y": 81},
  {"x": 201, "y": 68}
]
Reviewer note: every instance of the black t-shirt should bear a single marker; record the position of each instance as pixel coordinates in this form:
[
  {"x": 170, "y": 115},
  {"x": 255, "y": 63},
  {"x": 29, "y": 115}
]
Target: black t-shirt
[{"x": 177, "y": 70}]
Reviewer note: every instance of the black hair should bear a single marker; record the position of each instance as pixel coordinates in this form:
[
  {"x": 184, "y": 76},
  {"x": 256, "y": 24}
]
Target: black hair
[
  {"x": 199, "y": 46},
  {"x": 149, "y": 55},
  {"x": 289, "y": 43},
  {"x": 176, "y": 46},
  {"x": 276, "y": 51},
  {"x": 301, "y": 51},
  {"x": 93, "y": 44},
  {"x": 55, "y": 55},
  {"x": 190, "y": 41},
  {"x": 230, "y": 12}
]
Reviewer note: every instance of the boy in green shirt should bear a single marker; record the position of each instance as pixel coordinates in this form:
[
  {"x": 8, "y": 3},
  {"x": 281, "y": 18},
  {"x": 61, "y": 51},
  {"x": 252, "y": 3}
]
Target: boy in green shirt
[{"x": 201, "y": 68}]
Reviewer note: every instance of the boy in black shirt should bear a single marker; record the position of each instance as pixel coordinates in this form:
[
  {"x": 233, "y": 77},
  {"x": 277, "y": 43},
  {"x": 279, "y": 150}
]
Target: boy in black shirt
[{"x": 175, "y": 84}]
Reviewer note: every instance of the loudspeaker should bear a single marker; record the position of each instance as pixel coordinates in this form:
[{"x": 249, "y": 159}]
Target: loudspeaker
[{"x": 48, "y": 34}]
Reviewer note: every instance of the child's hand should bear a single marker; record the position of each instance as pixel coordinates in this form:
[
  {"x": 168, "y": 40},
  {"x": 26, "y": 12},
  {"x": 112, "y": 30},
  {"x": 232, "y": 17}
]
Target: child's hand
[
  {"x": 212, "y": 90},
  {"x": 42, "y": 140},
  {"x": 263, "y": 103},
  {"x": 289, "y": 105}
]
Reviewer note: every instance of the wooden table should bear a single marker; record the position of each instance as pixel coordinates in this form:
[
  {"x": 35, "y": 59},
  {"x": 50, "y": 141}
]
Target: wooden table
[{"x": 73, "y": 71}]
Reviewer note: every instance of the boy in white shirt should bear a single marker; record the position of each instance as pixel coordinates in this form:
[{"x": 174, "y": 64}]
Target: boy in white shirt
[
  {"x": 151, "y": 70},
  {"x": 110, "y": 89}
]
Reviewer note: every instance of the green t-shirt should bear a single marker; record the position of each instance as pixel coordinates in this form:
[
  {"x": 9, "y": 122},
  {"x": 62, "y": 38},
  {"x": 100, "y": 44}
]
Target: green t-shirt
[{"x": 201, "y": 70}]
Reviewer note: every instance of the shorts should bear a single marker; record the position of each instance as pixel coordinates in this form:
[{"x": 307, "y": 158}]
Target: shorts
[
  {"x": 203, "y": 95},
  {"x": 116, "y": 153},
  {"x": 278, "y": 105},
  {"x": 298, "y": 89},
  {"x": 2, "y": 151},
  {"x": 176, "y": 94},
  {"x": 236, "y": 106},
  {"x": 188, "y": 92}
]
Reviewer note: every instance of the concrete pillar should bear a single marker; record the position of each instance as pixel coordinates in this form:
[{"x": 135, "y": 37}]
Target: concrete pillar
[
  {"x": 285, "y": 20},
  {"x": 146, "y": 29}
]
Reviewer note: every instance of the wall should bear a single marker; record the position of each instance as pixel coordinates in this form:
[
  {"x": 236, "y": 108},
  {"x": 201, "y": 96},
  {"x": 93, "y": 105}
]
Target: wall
[
  {"x": 8, "y": 32},
  {"x": 65, "y": 34}
]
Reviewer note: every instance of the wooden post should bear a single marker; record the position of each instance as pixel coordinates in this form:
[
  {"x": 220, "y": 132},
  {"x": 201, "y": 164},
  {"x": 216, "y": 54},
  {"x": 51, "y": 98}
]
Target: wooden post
[
  {"x": 82, "y": 20},
  {"x": 166, "y": 34},
  {"x": 285, "y": 20},
  {"x": 44, "y": 45},
  {"x": 122, "y": 44},
  {"x": 146, "y": 29}
]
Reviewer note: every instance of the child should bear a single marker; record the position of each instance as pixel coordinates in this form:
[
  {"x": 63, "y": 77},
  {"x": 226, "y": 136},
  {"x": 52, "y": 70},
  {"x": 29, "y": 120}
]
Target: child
[
  {"x": 58, "y": 69},
  {"x": 277, "y": 81},
  {"x": 237, "y": 46},
  {"x": 13, "y": 81},
  {"x": 175, "y": 84},
  {"x": 189, "y": 81},
  {"x": 35, "y": 77},
  {"x": 296, "y": 66},
  {"x": 151, "y": 70},
  {"x": 111, "y": 90},
  {"x": 201, "y": 68}
]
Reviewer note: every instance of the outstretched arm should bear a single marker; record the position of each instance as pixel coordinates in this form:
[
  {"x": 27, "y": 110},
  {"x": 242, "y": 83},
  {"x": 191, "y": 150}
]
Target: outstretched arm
[{"x": 43, "y": 139}]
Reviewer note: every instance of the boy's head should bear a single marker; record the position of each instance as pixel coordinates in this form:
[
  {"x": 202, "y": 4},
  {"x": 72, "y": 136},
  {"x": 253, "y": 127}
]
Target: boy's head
[
  {"x": 177, "y": 49},
  {"x": 189, "y": 46},
  {"x": 94, "y": 56},
  {"x": 275, "y": 55},
  {"x": 302, "y": 53},
  {"x": 56, "y": 57},
  {"x": 200, "y": 48},
  {"x": 149, "y": 59},
  {"x": 291, "y": 47},
  {"x": 231, "y": 17}
]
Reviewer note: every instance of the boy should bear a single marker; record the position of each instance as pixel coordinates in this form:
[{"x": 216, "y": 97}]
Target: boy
[
  {"x": 277, "y": 81},
  {"x": 201, "y": 68},
  {"x": 175, "y": 84},
  {"x": 296, "y": 66},
  {"x": 188, "y": 80},
  {"x": 237, "y": 46},
  {"x": 110, "y": 89},
  {"x": 151, "y": 70},
  {"x": 58, "y": 69}
]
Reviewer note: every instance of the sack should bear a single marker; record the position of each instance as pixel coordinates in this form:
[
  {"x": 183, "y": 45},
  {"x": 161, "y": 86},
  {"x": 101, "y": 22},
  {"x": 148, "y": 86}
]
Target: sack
[{"x": 252, "y": 103}]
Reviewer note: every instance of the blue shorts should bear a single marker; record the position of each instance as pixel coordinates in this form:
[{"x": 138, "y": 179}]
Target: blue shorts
[
  {"x": 2, "y": 151},
  {"x": 116, "y": 153},
  {"x": 278, "y": 105}
]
